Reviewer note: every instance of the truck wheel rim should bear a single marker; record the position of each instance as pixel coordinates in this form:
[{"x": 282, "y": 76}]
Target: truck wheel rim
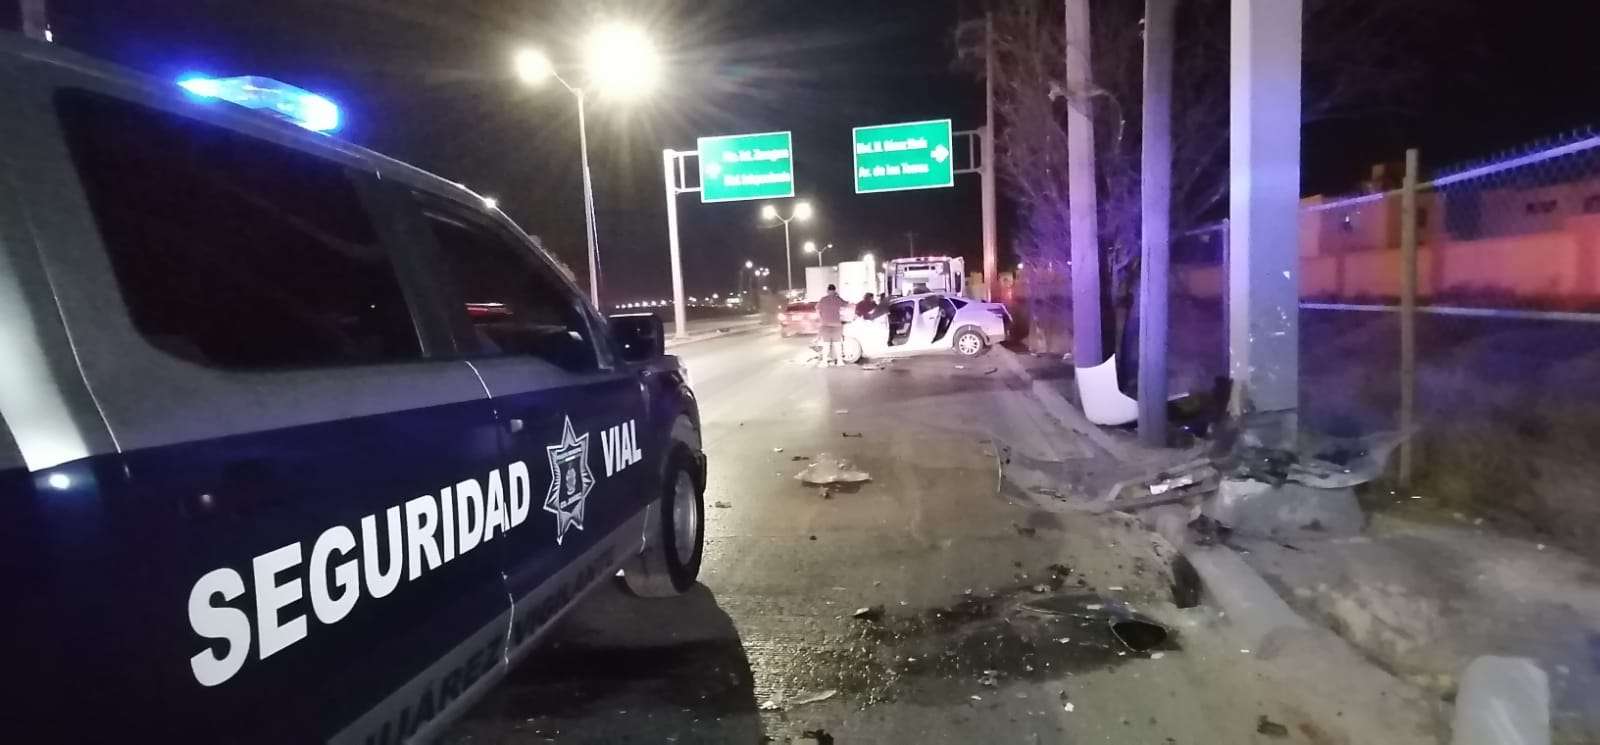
[
  {"x": 968, "y": 344},
  {"x": 685, "y": 518}
]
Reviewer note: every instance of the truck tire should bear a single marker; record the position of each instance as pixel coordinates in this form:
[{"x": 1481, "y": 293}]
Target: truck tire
[{"x": 675, "y": 534}]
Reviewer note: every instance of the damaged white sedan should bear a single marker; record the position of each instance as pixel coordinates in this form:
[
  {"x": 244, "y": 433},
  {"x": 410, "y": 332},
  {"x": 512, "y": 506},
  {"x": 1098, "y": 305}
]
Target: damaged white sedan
[{"x": 927, "y": 323}]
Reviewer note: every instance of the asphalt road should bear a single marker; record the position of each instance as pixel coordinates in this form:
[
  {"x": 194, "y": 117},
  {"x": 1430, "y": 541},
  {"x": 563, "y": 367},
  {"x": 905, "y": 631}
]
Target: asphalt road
[{"x": 995, "y": 609}]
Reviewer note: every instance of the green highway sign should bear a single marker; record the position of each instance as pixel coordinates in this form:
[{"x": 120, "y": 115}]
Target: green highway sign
[
  {"x": 911, "y": 155},
  {"x": 737, "y": 167}
]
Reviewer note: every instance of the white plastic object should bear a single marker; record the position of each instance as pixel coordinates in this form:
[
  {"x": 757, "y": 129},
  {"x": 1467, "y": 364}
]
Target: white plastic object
[
  {"x": 1103, "y": 402},
  {"x": 1502, "y": 701}
]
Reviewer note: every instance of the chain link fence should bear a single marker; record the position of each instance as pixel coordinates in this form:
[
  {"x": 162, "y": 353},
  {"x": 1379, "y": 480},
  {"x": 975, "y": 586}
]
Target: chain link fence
[{"x": 1504, "y": 413}]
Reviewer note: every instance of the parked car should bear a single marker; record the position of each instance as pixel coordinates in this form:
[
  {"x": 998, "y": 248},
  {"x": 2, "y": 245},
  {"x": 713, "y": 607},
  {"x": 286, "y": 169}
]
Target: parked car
[
  {"x": 800, "y": 319},
  {"x": 927, "y": 323},
  {"x": 298, "y": 443}
]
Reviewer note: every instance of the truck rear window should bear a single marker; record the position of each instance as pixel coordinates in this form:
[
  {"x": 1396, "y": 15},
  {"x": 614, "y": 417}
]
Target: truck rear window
[{"x": 230, "y": 250}]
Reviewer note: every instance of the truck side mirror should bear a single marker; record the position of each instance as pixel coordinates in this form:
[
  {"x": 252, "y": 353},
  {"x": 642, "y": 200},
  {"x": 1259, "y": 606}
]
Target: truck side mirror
[{"x": 640, "y": 335}]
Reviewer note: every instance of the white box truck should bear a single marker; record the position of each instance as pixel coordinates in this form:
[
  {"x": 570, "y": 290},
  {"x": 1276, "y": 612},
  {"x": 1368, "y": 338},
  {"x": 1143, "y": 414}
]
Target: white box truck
[{"x": 926, "y": 274}]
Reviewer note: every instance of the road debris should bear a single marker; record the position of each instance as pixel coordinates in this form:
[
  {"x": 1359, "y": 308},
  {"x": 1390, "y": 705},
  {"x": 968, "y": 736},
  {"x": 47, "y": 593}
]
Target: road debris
[
  {"x": 721, "y": 505},
  {"x": 975, "y": 697},
  {"x": 841, "y": 411},
  {"x": 989, "y": 678},
  {"x": 850, "y": 434},
  {"x": 777, "y": 450},
  {"x": 1068, "y": 707},
  {"x": 1025, "y": 530},
  {"x": 812, "y": 697},
  {"x": 1208, "y": 531},
  {"x": 1157, "y": 655},
  {"x": 831, "y": 469},
  {"x": 770, "y": 705},
  {"x": 820, "y": 735},
  {"x": 1186, "y": 583},
  {"x": 1270, "y": 728},
  {"x": 869, "y": 613},
  {"x": 1180, "y": 483}
]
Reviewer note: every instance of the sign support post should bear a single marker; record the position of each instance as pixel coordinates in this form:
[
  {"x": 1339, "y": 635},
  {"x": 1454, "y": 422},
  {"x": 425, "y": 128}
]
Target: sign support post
[{"x": 669, "y": 168}]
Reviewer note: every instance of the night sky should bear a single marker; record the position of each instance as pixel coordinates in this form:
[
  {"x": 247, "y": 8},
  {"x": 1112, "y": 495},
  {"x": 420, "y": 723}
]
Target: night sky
[{"x": 431, "y": 83}]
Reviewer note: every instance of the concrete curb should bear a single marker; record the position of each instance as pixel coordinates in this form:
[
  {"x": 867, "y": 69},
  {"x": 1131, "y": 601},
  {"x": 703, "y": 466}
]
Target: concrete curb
[
  {"x": 1253, "y": 606},
  {"x": 1061, "y": 409},
  {"x": 1264, "y": 622},
  {"x": 736, "y": 331}
]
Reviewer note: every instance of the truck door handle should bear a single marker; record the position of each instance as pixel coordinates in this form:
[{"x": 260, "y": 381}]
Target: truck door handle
[{"x": 514, "y": 425}]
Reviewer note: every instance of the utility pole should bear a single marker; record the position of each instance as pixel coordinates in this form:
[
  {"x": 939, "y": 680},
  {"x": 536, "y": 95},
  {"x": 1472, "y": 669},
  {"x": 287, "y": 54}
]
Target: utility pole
[
  {"x": 1084, "y": 230},
  {"x": 1155, "y": 207},
  {"x": 911, "y": 244},
  {"x": 991, "y": 259},
  {"x": 35, "y": 21},
  {"x": 1264, "y": 217}
]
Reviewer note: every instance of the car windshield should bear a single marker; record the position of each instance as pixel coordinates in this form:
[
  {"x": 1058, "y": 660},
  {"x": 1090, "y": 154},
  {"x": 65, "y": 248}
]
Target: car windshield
[{"x": 602, "y": 372}]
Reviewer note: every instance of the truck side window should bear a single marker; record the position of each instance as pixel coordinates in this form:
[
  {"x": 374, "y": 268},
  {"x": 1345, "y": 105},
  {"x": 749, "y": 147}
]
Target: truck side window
[
  {"x": 233, "y": 251},
  {"x": 515, "y": 304}
]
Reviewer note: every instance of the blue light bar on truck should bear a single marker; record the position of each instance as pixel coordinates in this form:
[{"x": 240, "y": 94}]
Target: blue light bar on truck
[{"x": 275, "y": 97}]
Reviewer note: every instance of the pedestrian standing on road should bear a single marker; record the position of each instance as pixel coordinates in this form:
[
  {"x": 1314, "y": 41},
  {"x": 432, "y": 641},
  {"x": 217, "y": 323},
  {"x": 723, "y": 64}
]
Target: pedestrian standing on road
[
  {"x": 831, "y": 326},
  {"x": 866, "y": 306}
]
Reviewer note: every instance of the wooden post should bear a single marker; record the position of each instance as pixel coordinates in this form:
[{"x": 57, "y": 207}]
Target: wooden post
[{"x": 1408, "y": 316}]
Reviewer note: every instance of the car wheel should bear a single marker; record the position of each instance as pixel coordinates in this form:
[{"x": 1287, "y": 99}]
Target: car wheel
[
  {"x": 970, "y": 343},
  {"x": 852, "y": 351},
  {"x": 676, "y": 536}
]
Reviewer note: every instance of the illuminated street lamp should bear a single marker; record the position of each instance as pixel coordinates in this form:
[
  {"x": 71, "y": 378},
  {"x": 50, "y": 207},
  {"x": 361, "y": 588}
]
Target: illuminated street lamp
[
  {"x": 801, "y": 212},
  {"x": 811, "y": 248},
  {"x": 620, "y": 62}
]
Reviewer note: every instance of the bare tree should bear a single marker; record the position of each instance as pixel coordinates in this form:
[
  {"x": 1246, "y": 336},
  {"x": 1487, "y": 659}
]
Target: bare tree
[{"x": 1356, "y": 62}]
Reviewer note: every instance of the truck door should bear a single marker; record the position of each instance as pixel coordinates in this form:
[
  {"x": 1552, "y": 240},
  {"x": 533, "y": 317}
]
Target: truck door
[
  {"x": 266, "y": 556},
  {"x": 573, "y": 421}
]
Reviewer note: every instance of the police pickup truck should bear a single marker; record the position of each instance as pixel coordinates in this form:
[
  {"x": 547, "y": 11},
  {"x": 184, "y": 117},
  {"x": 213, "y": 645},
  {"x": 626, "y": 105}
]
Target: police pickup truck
[{"x": 298, "y": 443}]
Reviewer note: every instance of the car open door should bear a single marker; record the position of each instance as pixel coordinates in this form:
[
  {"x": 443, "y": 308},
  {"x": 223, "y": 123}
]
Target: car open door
[{"x": 925, "y": 322}]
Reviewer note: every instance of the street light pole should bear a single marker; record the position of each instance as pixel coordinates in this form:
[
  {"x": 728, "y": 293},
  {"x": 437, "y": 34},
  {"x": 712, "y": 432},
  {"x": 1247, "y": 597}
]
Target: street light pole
[
  {"x": 788, "y": 256},
  {"x": 621, "y": 60},
  {"x": 588, "y": 201},
  {"x": 802, "y": 212}
]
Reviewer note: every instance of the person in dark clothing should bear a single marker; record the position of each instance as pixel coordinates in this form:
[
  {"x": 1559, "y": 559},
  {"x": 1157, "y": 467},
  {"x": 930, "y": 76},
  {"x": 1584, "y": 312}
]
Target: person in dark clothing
[{"x": 866, "y": 306}]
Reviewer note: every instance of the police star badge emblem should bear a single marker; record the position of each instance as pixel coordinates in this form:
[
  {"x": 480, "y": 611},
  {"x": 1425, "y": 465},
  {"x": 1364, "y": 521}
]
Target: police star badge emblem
[{"x": 570, "y": 480}]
